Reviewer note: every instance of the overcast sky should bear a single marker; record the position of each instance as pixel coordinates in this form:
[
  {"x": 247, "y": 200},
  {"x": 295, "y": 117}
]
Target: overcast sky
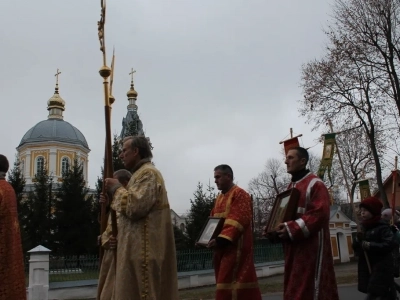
[{"x": 218, "y": 81}]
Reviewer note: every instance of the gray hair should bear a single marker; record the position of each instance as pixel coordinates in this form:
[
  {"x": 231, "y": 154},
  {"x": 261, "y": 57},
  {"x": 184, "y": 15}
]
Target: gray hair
[
  {"x": 389, "y": 212},
  {"x": 122, "y": 175},
  {"x": 224, "y": 169},
  {"x": 142, "y": 144}
]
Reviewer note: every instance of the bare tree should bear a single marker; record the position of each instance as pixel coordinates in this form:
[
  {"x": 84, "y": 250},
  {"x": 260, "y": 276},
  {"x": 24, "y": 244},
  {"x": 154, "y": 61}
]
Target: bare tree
[
  {"x": 342, "y": 88},
  {"x": 370, "y": 30},
  {"x": 313, "y": 162},
  {"x": 265, "y": 187}
]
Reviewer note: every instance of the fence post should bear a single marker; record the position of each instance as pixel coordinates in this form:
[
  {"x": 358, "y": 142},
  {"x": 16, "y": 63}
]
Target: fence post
[{"x": 39, "y": 273}]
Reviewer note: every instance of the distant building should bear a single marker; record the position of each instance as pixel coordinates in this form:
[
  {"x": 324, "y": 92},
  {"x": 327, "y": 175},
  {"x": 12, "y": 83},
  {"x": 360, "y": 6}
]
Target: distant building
[
  {"x": 341, "y": 230},
  {"x": 178, "y": 221},
  {"x": 388, "y": 186}
]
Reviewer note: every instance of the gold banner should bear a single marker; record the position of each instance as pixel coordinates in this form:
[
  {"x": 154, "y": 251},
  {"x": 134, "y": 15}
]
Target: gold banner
[
  {"x": 327, "y": 155},
  {"x": 364, "y": 189}
]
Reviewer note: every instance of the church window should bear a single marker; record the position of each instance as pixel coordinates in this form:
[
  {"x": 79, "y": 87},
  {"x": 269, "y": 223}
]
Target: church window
[
  {"x": 83, "y": 168},
  {"x": 22, "y": 166},
  {"x": 64, "y": 165},
  {"x": 39, "y": 164}
]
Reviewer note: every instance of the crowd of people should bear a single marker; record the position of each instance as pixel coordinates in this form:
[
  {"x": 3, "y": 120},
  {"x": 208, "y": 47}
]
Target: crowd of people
[{"x": 140, "y": 261}]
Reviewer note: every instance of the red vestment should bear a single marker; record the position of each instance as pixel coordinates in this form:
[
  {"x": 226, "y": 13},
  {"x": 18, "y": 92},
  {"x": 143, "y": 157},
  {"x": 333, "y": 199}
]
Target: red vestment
[
  {"x": 309, "y": 272},
  {"x": 12, "y": 276},
  {"x": 235, "y": 273}
]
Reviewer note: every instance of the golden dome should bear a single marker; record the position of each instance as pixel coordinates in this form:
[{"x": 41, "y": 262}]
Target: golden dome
[
  {"x": 56, "y": 101},
  {"x": 132, "y": 93}
]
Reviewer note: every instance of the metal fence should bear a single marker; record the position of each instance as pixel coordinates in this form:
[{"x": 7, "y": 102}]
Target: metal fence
[
  {"x": 84, "y": 267},
  {"x": 73, "y": 268}
]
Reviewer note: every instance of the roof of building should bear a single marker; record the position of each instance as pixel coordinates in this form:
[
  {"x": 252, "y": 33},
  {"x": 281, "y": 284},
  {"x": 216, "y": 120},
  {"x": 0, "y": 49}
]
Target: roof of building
[
  {"x": 54, "y": 130},
  {"x": 334, "y": 209},
  {"x": 388, "y": 180}
]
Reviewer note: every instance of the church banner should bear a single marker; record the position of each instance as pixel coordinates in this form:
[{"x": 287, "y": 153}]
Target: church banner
[
  {"x": 327, "y": 156},
  {"x": 365, "y": 192},
  {"x": 291, "y": 143}
]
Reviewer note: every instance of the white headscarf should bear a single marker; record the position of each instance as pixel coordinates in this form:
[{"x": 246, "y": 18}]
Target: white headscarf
[{"x": 387, "y": 215}]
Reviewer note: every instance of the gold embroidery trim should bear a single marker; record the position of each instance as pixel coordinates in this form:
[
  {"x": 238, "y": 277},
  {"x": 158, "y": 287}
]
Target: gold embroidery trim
[
  {"x": 237, "y": 285},
  {"x": 220, "y": 215},
  {"x": 234, "y": 224},
  {"x": 227, "y": 206},
  {"x": 123, "y": 200},
  {"x": 145, "y": 259},
  {"x": 235, "y": 269},
  {"x": 225, "y": 237},
  {"x": 228, "y": 203}
]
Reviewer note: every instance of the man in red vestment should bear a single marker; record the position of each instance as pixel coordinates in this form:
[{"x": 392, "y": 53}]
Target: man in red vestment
[
  {"x": 233, "y": 248},
  {"x": 309, "y": 272},
  {"x": 12, "y": 276}
]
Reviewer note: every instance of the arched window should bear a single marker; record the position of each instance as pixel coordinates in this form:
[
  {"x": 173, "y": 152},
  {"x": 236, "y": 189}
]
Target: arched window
[
  {"x": 22, "y": 166},
  {"x": 39, "y": 164},
  {"x": 64, "y": 165}
]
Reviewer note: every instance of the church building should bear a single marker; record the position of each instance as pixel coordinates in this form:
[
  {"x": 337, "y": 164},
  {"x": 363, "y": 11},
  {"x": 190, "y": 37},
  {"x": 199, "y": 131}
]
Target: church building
[
  {"x": 52, "y": 143},
  {"x": 131, "y": 124}
]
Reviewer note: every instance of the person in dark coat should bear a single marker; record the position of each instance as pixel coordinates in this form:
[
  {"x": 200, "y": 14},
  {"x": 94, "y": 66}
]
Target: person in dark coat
[
  {"x": 388, "y": 216},
  {"x": 374, "y": 244}
]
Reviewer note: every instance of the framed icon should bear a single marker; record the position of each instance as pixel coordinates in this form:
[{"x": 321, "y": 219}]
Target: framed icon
[
  {"x": 328, "y": 151},
  {"x": 284, "y": 209},
  {"x": 210, "y": 230}
]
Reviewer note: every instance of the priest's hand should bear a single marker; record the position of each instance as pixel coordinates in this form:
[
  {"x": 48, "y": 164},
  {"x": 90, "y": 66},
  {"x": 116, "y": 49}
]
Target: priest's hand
[
  {"x": 212, "y": 243},
  {"x": 111, "y": 184},
  {"x": 264, "y": 231},
  {"x": 282, "y": 231},
  {"x": 104, "y": 200},
  {"x": 113, "y": 242}
]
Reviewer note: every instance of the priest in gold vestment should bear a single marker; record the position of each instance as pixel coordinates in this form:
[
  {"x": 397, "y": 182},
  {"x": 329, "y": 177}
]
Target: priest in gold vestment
[
  {"x": 107, "y": 270},
  {"x": 145, "y": 246},
  {"x": 235, "y": 273}
]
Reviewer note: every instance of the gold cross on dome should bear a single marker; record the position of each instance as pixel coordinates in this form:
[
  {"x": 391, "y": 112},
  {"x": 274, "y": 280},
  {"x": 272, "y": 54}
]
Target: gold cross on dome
[
  {"x": 131, "y": 73},
  {"x": 57, "y": 74}
]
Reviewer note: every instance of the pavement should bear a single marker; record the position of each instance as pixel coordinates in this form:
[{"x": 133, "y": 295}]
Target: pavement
[
  {"x": 346, "y": 291},
  {"x": 346, "y": 275},
  {"x": 343, "y": 272}
]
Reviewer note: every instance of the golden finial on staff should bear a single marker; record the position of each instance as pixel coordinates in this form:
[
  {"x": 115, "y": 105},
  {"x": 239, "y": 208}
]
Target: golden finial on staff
[
  {"x": 112, "y": 99},
  {"x": 104, "y": 71},
  {"x": 100, "y": 27}
]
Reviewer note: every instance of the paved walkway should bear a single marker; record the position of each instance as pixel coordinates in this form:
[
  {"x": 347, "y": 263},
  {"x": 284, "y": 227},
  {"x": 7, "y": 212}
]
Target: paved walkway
[{"x": 341, "y": 271}]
